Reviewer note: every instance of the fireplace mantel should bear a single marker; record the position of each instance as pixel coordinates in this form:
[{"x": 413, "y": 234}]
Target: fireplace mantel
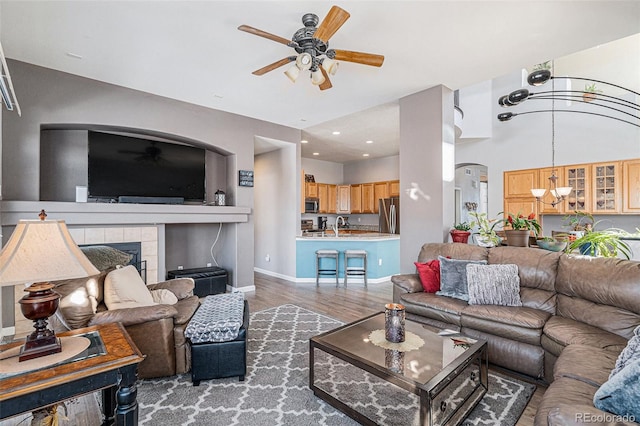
[{"x": 121, "y": 214}]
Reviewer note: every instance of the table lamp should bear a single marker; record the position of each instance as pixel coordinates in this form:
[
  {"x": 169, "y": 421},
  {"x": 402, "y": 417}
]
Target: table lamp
[{"x": 40, "y": 251}]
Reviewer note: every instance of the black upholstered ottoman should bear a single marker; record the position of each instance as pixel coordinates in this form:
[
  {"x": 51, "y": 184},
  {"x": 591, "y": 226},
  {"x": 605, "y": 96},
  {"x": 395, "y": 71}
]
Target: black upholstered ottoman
[{"x": 214, "y": 360}]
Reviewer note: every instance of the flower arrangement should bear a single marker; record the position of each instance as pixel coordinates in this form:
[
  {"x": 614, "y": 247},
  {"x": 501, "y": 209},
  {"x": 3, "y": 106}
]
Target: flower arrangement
[{"x": 520, "y": 223}]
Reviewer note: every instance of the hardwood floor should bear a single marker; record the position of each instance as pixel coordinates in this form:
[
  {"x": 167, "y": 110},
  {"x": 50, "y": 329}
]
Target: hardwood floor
[{"x": 346, "y": 304}]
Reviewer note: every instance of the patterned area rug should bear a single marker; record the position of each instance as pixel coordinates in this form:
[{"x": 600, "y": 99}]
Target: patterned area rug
[{"x": 276, "y": 390}]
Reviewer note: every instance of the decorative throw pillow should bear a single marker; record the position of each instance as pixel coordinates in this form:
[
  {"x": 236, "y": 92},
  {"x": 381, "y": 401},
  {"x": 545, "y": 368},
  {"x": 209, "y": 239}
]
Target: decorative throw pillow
[
  {"x": 124, "y": 288},
  {"x": 429, "y": 273},
  {"x": 453, "y": 277},
  {"x": 620, "y": 394},
  {"x": 105, "y": 257},
  {"x": 494, "y": 285},
  {"x": 79, "y": 299},
  {"x": 163, "y": 296},
  {"x": 630, "y": 353}
]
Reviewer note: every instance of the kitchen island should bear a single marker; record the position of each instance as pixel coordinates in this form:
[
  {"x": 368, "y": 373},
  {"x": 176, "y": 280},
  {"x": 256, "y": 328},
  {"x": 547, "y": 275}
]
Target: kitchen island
[{"x": 383, "y": 254}]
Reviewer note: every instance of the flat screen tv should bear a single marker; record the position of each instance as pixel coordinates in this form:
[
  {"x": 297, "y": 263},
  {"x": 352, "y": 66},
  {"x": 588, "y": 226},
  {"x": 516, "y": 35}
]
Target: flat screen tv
[{"x": 129, "y": 166}]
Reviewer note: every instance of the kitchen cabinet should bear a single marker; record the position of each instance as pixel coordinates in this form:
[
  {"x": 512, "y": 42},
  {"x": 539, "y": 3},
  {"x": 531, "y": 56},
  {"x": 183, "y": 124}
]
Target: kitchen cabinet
[
  {"x": 524, "y": 206},
  {"x": 323, "y": 198},
  {"x": 332, "y": 203},
  {"x": 380, "y": 190},
  {"x": 356, "y": 199},
  {"x": 394, "y": 188},
  {"x": 606, "y": 188},
  {"x": 519, "y": 183},
  {"x": 631, "y": 186},
  {"x": 579, "y": 179},
  {"x": 543, "y": 182},
  {"x": 344, "y": 199},
  {"x": 367, "y": 193},
  {"x": 311, "y": 190}
]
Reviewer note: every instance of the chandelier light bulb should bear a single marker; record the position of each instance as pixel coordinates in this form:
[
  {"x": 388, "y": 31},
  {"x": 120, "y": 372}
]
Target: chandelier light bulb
[
  {"x": 330, "y": 66},
  {"x": 304, "y": 61},
  {"x": 538, "y": 192},
  {"x": 293, "y": 72},
  {"x": 563, "y": 191},
  {"x": 317, "y": 78}
]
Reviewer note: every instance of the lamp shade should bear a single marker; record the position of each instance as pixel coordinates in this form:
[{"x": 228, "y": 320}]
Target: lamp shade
[
  {"x": 538, "y": 192},
  {"x": 317, "y": 78},
  {"x": 293, "y": 72},
  {"x": 42, "y": 250}
]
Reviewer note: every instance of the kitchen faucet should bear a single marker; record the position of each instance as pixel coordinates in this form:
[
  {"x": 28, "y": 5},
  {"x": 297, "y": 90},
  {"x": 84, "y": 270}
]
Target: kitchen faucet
[{"x": 335, "y": 227}]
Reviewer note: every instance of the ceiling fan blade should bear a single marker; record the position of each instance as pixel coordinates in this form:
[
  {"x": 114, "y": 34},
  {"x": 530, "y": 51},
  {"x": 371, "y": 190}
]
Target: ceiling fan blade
[
  {"x": 274, "y": 65},
  {"x": 359, "y": 57},
  {"x": 255, "y": 31},
  {"x": 327, "y": 83},
  {"x": 331, "y": 23}
]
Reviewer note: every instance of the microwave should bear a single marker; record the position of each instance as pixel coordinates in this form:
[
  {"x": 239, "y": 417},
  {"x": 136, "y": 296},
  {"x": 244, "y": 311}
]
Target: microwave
[{"x": 311, "y": 205}]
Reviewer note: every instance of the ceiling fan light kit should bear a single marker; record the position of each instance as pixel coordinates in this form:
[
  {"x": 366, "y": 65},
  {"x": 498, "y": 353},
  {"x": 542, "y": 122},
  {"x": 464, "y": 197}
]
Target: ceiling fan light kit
[{"x": 312, "y": 45}]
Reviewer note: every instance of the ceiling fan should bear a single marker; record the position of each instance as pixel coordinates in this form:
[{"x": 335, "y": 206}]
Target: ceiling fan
[{"x": 312, "y": 45}]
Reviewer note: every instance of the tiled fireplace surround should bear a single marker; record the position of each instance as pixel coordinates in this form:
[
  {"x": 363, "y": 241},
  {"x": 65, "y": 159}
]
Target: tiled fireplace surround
[{"x": 147, "y": 236}]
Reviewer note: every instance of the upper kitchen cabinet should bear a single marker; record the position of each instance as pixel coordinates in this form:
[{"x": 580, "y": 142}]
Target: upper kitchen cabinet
[
  {"x": 631, "y": 186},
  {"x": 380, "y": 190},
  {"x": 543, "y": 182},
  {"x": 323, "y": 198},
  {"x": 344, "y": 199},
  {"x": 311, "y": 189},
  {"x": 606, "y": 188},
  {"x": 332, "y": 198},
  {"x": 394, "y": 188},
  {"x": 579, "y": 179},
  {"x": 368, "y": 200},
  {"x": 356, "y": 198},
  {"x": 519, "y": 183}
]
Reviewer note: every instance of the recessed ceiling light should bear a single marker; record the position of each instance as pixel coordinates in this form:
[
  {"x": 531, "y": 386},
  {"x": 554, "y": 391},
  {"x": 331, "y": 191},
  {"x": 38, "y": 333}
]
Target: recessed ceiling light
[
  {"x": 336, "y": 133},
  {"x": 316, "y": 153},
  {"x": 304, "y": 141},
  {"x": 365, "y": 155},
  {"x": 369, "y": 142},
  {"x": 74, "y": 55}
]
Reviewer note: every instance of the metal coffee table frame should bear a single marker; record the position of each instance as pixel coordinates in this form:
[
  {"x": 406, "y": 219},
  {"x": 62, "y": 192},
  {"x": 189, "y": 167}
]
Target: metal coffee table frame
[{"x": 428, "y": 392}]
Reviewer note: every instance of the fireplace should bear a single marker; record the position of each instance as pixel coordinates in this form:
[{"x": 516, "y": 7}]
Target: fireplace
[{"x": 132, "y": 248}]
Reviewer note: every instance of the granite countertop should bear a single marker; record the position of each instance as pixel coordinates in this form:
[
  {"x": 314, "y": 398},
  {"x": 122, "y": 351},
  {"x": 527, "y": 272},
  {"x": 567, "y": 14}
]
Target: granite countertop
[{"x": 330, "y": 236}]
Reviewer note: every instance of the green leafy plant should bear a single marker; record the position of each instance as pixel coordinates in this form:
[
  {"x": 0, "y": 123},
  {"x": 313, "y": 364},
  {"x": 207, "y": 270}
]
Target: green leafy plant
[
  {"x": 546, "y": 65},
  {"x": 463, "y": 226},
  {"x": 519, "y": 222},
  {"x": 486, "y": 228},
  {"x": 604, "y": 243},
  {"x": 591, "y": 88},
  {"x": 578, "y": 221}
]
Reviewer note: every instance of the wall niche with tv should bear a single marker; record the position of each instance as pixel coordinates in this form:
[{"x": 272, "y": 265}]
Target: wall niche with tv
[{"x": 125, "y": 165}]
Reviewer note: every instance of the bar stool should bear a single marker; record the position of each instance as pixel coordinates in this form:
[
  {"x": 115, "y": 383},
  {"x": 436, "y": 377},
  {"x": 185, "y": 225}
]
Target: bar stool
[
  {"x": 331, "y": 254},
  {"x": 355, "y": 270}
]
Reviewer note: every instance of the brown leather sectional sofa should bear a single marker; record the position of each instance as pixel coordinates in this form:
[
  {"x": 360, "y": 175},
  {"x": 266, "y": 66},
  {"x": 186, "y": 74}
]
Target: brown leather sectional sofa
[{"x": 577, "y": 315}]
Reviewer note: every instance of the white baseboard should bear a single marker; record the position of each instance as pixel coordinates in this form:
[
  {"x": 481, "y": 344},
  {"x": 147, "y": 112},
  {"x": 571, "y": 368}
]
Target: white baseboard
[
  {"x": 7, "y": 331},
  {"x": 245, "y": 289},
  {"x": 341, "y": 280},
  {"x": 275, "y": 274}
]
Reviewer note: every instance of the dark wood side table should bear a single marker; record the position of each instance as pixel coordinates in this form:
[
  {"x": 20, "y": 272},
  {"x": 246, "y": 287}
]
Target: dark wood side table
[{"x": 114, "y": 367}]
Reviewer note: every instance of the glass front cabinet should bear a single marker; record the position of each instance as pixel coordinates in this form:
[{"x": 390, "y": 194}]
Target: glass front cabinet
[{"x": 606, "y": 188}]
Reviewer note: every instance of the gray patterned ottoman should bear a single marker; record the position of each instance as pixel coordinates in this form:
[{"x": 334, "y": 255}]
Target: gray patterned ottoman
[{"x": 217, "y": 335}]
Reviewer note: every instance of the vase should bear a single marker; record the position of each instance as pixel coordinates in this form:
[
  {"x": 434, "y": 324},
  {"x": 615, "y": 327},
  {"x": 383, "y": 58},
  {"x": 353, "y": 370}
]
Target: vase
[
  {"x": 518, "y": 237},
  {"x": 487, "y": 241},
  {"x": 460, "y": 236},
  {"x": 394, "y": 322}
]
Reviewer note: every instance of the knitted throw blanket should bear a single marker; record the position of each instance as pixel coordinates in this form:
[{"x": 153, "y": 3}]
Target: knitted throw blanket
[{"x": 218, "y": 319}]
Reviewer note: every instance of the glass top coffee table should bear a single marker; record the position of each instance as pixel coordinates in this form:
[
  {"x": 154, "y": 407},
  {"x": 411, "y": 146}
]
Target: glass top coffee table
[{"x": 436, "y": 384}]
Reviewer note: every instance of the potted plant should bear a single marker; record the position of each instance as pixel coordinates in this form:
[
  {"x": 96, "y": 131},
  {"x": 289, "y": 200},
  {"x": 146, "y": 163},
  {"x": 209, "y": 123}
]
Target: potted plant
[
  {"x": 603, "y": 243},
  {"x": 486, "y": 235},
  {"x": 521, "y": 228},
  {"x": 460, "y": 233},
  {"x": 590, "y": 91}
]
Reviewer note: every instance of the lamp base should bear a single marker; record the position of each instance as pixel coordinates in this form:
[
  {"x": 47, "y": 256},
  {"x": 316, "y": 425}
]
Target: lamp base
[{"x": 40, "y": 347}]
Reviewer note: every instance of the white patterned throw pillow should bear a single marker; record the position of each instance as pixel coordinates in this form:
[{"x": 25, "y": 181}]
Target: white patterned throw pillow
[{"x": 493, "y": 285}]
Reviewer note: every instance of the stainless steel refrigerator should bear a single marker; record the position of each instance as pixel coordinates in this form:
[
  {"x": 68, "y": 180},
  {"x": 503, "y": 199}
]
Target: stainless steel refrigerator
[{"x": 389, "y": 215}]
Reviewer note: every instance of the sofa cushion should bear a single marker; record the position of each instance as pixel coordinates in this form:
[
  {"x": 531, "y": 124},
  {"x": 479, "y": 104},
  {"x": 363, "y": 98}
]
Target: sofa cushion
[
  {"x": 453, "y": 277},
  {"x": 630, "y": 353},
  {"x": 443, "y": 309},
  {"x": 453, "y": 250},
  {"x": 124, "y": 288},
  {"x": 564, "y": 390},
  {"x": 78, "y": 299},
  {"x": 429, "y": 273},
  {"x": 493, "y": 285},
  {"x": 585, "y": 363},
  {"x": 164, "y": 297},
  {"x": 562, "y": 332},
  {"x": 620, "y": 394},
  {"x": 517, "y": 323},
  {"x": 105, "y": 257},
  {"x": 609, "y": 284}
]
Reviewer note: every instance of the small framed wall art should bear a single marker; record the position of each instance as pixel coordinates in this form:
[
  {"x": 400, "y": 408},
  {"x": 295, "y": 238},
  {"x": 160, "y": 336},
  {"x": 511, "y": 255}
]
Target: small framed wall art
[{"x": 245, "y": 177}]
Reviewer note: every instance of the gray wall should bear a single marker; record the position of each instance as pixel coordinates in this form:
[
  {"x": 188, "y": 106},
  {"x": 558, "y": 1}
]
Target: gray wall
[
  {"x": 51, "y": 97},
  {"x": 372, "y": 170},
  {"x": 426, "y": 121}
]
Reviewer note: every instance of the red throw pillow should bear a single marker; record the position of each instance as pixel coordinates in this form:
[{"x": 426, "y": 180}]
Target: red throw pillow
[{"x": 429, "y": 275}]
